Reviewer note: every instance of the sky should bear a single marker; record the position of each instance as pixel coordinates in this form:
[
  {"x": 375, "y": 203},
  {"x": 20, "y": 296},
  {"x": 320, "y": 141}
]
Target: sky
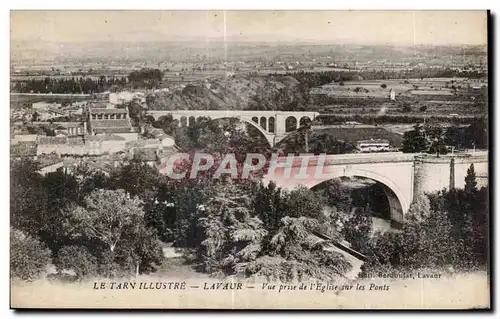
[{"x": 349, "y": 27}]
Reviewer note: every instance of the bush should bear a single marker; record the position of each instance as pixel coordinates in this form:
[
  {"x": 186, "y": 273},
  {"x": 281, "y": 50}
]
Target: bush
[
  {"x": 293, "y": 254},
  {"x": 28, "y": 256},
  {"x": 423, "y": 108},
  {"x": 279, "y": 269},
  {"x": 357, "y": 230},
  {"x": 383, "y": 85},
  {"x": 303, "y": 202},
  {"x": 78, "y": 259},
  {"x": 424, "y": 244}
]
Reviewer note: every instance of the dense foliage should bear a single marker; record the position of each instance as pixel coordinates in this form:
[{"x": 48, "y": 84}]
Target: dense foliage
[
  {"x": 315, "y": 79},
  {"x": 28, "y": 256},
  {"x": 145, "y": 78},
  {"x": 448, "y": 229},
  {"x": 110, "y": 222},
  {"x": 434, "y": 139}
]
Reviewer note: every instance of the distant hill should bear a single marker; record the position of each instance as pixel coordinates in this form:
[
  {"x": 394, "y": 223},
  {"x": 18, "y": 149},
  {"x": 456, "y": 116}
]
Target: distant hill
[
  {"x": 211, "y": 51},
  {"x": 235, "y": 93}
]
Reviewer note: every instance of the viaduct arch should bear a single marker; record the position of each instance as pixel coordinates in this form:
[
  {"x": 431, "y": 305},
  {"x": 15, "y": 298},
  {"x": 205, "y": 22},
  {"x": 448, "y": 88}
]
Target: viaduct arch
[
  {"x": 272, "y": 124},
  {"x": 394, "y": 195}
]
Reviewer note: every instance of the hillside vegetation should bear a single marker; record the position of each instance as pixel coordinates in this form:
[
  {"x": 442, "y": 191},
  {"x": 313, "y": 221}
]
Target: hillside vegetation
[{"x": 235, "y": 93}]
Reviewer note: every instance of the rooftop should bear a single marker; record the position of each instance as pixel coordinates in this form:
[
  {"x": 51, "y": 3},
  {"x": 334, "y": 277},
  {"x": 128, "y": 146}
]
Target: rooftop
[
  {"x": 53, "y": 110},
  {"x": 105, "y": 137},
  {"x": 107, "y": 111},
  {"x": 110, "y": 123},
  {"x": 112, "y": 130},
  {"x": 52, "y": 139},
  {"x": 68, "y": 124},
  {"x": 143, "y": 143},
  {"x": 22, "y": 149},
  {"x": 48, "y": 159}
]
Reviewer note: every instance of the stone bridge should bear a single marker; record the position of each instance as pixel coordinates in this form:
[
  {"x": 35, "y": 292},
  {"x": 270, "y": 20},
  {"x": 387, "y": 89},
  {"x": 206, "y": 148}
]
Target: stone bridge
[
  {"x": 403, "y": 177},
  {"x": 274, "y": 125}
]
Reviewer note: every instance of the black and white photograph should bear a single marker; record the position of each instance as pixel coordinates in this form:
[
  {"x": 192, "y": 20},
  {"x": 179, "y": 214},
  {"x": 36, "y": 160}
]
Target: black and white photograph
[{"x": 249, "y": 159}]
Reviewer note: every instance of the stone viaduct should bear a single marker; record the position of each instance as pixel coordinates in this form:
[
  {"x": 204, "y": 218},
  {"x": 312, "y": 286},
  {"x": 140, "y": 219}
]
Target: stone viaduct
[
  {"x": 403, "y": 177},
  {"x": 274, "y": 125}
]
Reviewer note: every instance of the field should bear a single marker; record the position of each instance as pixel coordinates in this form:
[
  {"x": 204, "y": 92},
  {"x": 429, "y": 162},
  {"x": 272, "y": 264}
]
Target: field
[
  {"x": 433, "y": 96},
  {"x": 356, "y": 134},
  {"x": 408, "y": 88},
  {"x": 19, "y": 101}
]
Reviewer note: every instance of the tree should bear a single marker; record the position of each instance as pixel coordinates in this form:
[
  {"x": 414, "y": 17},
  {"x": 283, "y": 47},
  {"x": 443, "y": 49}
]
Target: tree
[
  {"x": 230, "y": 235},
  {"x": 106, "y": 216},
  {"x": 415, "y": 141},
  {"x": 161, "y": 217},
  {"x": 62, "y": 188},
  {"x": 28, "y": 198},
  {"x": 269, "y": 205},
  {"x": 304, "y": 202},
  {"x": 357, "y": 230},
  {"x": 419, "y": 210},
  {"x": 383, "y": 85},
  {"x": 339, "y": 196},
  {"x": 293, "y": 254},
  {"x": 111, "y": 224},
  {"x": 78, "y": 259},
  {"x": 167, "y": 124},
  {"x": 137, "y": 178},
  {"x": 28, "y": 256},
  {"x": 189, "y": 195},
  {"x": 470, "y": 180},
  {"x": 90, "y": 179}
]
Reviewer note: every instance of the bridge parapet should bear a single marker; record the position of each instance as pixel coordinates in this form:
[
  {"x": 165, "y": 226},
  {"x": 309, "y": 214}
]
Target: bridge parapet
[
  {"x": 341, "y": 159},
  {"x": 459, "y": 158}
]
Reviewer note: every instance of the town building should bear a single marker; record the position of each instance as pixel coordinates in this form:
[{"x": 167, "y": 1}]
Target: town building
[
  {"x": 43, "y": 106},
  {"x": 48, "y": 114},
  {"x": 110, "y": 121},
  {"x": 81, "y": 146},
  {"x": 23, "y": 149},
  {"x": 49, "y": 163},
  {"x": 125, "y": 96}
]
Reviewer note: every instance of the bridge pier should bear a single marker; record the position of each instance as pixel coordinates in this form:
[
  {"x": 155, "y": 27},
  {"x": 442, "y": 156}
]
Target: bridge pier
[{"x": 272, "y": 124}]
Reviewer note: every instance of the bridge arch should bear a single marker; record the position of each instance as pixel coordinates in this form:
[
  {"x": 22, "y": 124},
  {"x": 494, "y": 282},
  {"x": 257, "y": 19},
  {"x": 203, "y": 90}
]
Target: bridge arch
[
  {"x": 305, "y": 120},
  {"x": 290, "y": 124},
  {"x": 183, "y": 121},
  {"x": 269, "y": 136},
  {"x": 271, "y": 125},
  {"x": 191, "y": 120},
  {"x": 397, "y": 202},
  {"x": 263, "y": 122}
]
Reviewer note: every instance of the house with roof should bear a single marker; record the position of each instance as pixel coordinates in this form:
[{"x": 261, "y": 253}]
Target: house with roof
[
  {"x": 49, "y": 163},
  {"x": 81, "y": 146},
  {"x": 50, "y": 114},
  {"x": 23, "y": 149},
  {"x": 110, "y": 121}
]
